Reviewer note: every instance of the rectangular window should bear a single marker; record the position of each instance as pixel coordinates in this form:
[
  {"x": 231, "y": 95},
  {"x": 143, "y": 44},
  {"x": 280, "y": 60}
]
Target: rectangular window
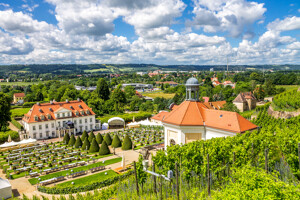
[
  {"x": 46, "y": 125},
  {"x": 85, "y": 120},
  {"x": 74, "y": 121},
  {"x": 91, "y": 119},
  {"x": 91, "y": 126},
  {"x": 40, "y": 127},
  {"x": 41, "y": 135},
  {"x": 53, "y": 134},
  {"x": 80, "y": 121},
  {"x": 47, "y": 134},
  {"x": 80, "y": 128},
  {"x": 33, "y": 128},
  {"x": 86, "y": 128},
  {"x": 57, "y": 115},
  {"x": 34, "y": 135},
  {"x": 58, "y": 124},
  {"x": 63, "y": 114},
  {"x": 52, "y": 125}
]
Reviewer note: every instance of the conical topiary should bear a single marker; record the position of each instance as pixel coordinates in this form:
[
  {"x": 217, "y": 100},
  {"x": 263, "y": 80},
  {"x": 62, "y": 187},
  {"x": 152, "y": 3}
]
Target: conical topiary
[
  {"x": 104, "y": 150},
  {"x": 91, "y": 136},
  {"x": 84, "y": 135},
  {"x": 86, "y": 144},
  {"x": 116, "y": 142},
  {"x": 78, "y": 142},
  {"x": 99, "y": 138},
  {"x": 94, "y": 146},
  {"x": 66, "y": 138},
  {"x": 127, "y": 144},
  {"x": 72, "y": 140},
  {"x": 107, "y": 139}
]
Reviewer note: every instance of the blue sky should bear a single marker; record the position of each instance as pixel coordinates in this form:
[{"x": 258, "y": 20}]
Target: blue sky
[{"x": 150, "y": 31}]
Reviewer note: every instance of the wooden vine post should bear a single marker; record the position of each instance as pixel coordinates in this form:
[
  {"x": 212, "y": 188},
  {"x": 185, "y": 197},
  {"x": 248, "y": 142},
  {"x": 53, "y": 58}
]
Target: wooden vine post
[
  {"x": 154, "y": 179},
  {"x": 177, "y": 180},
  {"x": 208, "y": 176},
  {"x": 299, "y": 154},
  {"x": 136, "y": 179},
  {"x": 266, "y": 160}
]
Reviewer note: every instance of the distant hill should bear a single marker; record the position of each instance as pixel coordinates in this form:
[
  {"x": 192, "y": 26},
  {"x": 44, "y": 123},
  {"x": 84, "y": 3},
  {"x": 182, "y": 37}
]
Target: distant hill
[{"x": 118, "y": 68}]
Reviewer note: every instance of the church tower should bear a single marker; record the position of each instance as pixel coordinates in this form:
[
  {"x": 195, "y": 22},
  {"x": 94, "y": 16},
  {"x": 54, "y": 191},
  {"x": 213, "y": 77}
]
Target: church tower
[{"x": 192, "y": 89}]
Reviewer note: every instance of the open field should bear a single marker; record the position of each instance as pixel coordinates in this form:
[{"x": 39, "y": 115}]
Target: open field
[
  {"x": 20, "y": 83},
  {"x": 158, "y": 94}
]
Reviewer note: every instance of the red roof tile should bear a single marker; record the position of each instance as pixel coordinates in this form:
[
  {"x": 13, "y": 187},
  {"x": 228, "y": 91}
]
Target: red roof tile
[
  {"x": 160, "y": 116},
  {"x": 19, "y": 94},
  {"x": 48, "y": 108}
]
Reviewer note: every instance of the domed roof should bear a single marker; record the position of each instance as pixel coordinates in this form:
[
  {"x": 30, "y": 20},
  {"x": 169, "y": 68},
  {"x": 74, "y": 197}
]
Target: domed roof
[{"x": 192, "y": 81}]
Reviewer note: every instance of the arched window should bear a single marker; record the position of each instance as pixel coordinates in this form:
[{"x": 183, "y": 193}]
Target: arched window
[{"x": 172, "y": 142}]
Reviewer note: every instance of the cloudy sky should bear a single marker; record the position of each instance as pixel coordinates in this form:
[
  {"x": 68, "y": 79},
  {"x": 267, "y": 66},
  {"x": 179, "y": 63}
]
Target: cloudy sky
[{"x": 150, "y": 31}]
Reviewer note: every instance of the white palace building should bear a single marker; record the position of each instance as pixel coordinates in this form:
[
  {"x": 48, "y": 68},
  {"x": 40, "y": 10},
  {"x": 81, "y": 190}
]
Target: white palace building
[{"x": 55, "y": 119}]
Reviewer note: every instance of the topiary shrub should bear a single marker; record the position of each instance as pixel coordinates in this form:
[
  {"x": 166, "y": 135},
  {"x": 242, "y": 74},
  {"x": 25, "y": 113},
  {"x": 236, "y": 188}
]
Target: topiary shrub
[
  {"x": 99, "y": 138},
  {"x": 94, "y": 146},
  {"x": 107, "y": 139},
  {"x": 84, "y": 135},
  {"x": 116, "y": 142},
  {"x": 66, "y": 138},
  {"x": 86, "y": 144},
  {"x": 127, "y": 144},
  {"x": 78, "y": 142},
  {"x": 104, "y": 150},
  {"x": 72, "y": 141},
  {"x": 91, "y": 136}
]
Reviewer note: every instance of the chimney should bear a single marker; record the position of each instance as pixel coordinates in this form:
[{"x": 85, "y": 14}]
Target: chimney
[
  {"x": 78, "y": 99},
  {"x": 67, "y": 101},
  {"x": 51, "y": 102},
  {"x": 38, "y": 103}
]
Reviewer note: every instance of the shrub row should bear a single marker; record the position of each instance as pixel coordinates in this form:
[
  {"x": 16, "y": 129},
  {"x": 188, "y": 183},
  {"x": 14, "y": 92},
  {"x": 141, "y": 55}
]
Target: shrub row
[
  {"x": 16, "y": 124},
  {"x": 127, "y": 116},
  {"x": 91, "y": 186},
  {"x": 4, "y": 135}
]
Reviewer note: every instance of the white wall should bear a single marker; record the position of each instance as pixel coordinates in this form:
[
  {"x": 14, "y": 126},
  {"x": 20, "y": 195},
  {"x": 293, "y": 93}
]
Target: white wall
[{"x": 214, "y": 133}]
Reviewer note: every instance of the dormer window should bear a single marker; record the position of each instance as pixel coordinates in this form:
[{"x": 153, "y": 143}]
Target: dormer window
[
  {"x": 88, "y": 112},
  {"x": 50, "y": 109},
  {"x": 80, "y": 106},
  {"x": 36, "y": 118},
  {"x": 42, "y": 117},
  {"x": 77, "y": 113},
  {"x": 63, "y": 115},
  {"x": 82, "y": 112},
  {"x": 58, "y": 116},
  {"x": 49, "y": 116}
]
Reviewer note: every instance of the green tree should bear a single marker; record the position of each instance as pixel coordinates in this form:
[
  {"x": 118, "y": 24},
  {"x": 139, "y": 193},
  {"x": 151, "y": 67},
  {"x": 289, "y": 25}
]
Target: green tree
[
  {"x": 162, "y": 87},
  {"x": 104, "y": 150},
  {"x": 102, "y": 89},
  {"x": 94, "y": 146},
  {"x": 230, "y": 107},
  {"x": 91, "y": 136},
  {"x": 5, "y": 114},
  {"x": 107, "y": 139},
  {"x": 97, "y": 104},
  {"x": 66, "y": 138},
  {"x": 39, "y": 96},
  {"x": 72, "y": 141},
  {"x": 86, "y": 144},
  {"x": 269, "y": 87},
  {"x": 119, "y": 99},
  {"x": 116, "y": 141},
  {"x": 84, "y": 135},
  {"x": 78, "y": 142},
  {"x": 129, "y": 91},
  {"x": 127, "y": 143},
  {"x": 141, "y": 174},
  {"x": 99, "y": 138}
]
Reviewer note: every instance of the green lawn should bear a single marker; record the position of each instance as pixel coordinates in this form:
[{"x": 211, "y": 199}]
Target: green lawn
[
  {"x": 19, "y": 112},
  {"x": 288, "y": 87},
  {"x": 158, "y": 94},
  {"x": 77, "y": 169},
  {"x": 89, "y": 179}
]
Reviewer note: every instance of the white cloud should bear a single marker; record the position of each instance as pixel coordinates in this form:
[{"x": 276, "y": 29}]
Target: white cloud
[
  {"x": 14, "y": 45},
  {"x": 233, "y": 16},
  {"x": 288, "y": 24}
]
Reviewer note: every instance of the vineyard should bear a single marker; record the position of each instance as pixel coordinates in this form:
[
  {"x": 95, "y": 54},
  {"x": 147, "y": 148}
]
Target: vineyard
[
  {"x": 263, "y": 164},
  {"x": 287, "y": 101}
]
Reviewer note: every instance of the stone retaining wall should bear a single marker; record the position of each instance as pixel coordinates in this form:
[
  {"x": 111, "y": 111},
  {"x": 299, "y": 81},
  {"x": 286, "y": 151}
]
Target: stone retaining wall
[{"x": 282, "y": 114}]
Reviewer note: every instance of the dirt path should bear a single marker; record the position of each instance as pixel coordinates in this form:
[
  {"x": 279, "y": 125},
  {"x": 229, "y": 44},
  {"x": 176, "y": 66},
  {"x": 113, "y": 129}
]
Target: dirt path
[
  {"x": 21, "y": 186},
  {"x": 12, "y": 127}
]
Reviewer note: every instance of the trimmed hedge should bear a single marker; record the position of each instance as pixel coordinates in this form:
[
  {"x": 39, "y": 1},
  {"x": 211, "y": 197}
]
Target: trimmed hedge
[
  {"x": 84, "y": 135},
  {"x": 99, "y": 138},
  {"x": 94, "y": 146},
  {"x": 127, "y": 143},
  {"x": 16, "y": 124},
  {"x": 78, "y": 142},
  {"x": 116, "y": 142},
  {"x": 107, "y": 139},
  {"x": 91, "y": 186},
  {"x": 72, "y": 141},
  {"x": 91, "y": 136},
  {"x": 66, "y": 138},
  {"x": 86, "y": 144},
  {"x": 104, "y": 150},
  {"x": 127, "y": 116}
]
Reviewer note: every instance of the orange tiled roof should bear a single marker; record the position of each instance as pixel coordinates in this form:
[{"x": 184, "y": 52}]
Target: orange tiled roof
[
  {"x": 47, "y": 108},
  {"x": 160, "y": 116},
  {"x": 192, "y": 113},
  {"x": 19, "y": 94}
]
